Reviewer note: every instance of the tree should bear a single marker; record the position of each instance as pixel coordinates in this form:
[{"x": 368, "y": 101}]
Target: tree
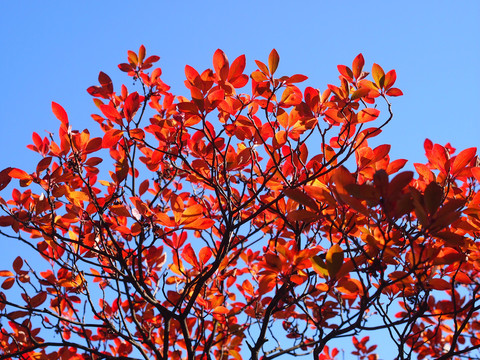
[{"x": 229, "y": 226}]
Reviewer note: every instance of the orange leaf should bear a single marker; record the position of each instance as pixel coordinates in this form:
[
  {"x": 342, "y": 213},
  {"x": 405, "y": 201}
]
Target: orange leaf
[
  {"x": 200, "y": 224},
  {"x": 19, "y": 174},
  {"x": 319, "y": 265},
  {"x": 280, "y": 139},
  {"x": 424, "y": 172},
  {"x": 368, "y": 114},
  {"x": 357, "y": 94},
  {"x": 141, "y": 54},
  {"x": 334, "y": 259},
  {"x": 220, "y": 310},
  {"x": 291, "y": 96},
  {"x": 132, "y": 58},
  {"x": 192, "y": 75},
  {"x": 378, "y": 75},
  {"x": 263, "y": 68},
  {"x": 273, "y": 60},
  {"x": 346, "y": 72}
]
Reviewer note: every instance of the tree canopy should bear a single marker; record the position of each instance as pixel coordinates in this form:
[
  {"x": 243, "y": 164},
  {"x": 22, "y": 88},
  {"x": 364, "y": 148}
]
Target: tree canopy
[{"x": 248, "y": 220}]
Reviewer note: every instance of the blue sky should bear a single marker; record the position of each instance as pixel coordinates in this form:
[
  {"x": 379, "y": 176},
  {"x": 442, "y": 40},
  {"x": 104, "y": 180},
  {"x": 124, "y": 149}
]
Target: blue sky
[{"x": 53, "y": 51}]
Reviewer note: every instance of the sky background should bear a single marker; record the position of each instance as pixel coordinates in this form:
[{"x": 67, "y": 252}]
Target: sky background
[{"x": 54, "y": 50}]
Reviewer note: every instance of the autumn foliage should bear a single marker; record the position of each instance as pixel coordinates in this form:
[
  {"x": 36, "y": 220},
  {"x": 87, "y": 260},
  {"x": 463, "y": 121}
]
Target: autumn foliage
[{"x": 250, "y": 219}]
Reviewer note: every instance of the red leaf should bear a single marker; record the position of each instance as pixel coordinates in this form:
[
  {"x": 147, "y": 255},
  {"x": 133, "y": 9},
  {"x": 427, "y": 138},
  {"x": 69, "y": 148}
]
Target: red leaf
[
  {"x": 237, "y": 68},
  {"x": 204, "y": 255},
  {"x": 360, "y": 93},
  {"x": 303, "y": 215},
  {"x": 150, "y": 60},
  {"x": 106, "y": 82},
  {"x": 188, "y": 254},
  {"x": 5, "y": 178},
  {"x": 462, "y": 160},
  {"x": 433, "y": 197},
  {"x": 296, "y": 79},
  {"x": 93, "y": 145},
  {"x": 111, "y": 113},
  {"x": 476, "y": 173},
  {"x": 395, "y": 165},
  {"x": 399, "y": 182},
  {"x": 59, "y": 113},
  {"x": 111, "y": 137},
  {"x": 125, "y": 67},
  {"x": 301, "y": 198},
  {"x": 424, "y": 172},
  {"x": 346, "y": 72},
  {"x": 17, "y": 264},
  {"x": 220, "y": 64},
  {"x": 357, "y": 65},
  {"x": 438, "y": 157},
  {"x": 8, "y": 283},
  {"x": 439, "y": 284},
  {"x": 390, "y": 78},
  {"x": 132, "y": 103},
  {"x": 394, "y": 92},
  {"x": 192, "y": 76},
  {"x": 43, "y": 164},
  {"x": 143, "y": 187},
  {"x": 38, "y": 299},
  {"x": 380, "y": 152}
]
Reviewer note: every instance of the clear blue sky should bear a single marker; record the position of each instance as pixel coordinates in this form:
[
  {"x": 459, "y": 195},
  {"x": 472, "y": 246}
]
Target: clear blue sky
[{"x": 54, "y": 50}]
